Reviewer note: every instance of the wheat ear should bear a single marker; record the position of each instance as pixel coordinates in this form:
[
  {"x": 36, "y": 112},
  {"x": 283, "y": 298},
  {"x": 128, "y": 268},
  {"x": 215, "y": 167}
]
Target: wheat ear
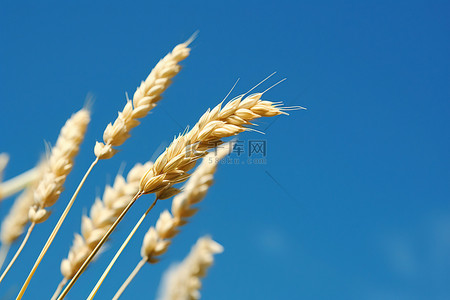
[
  {"x": 183, "y": 282},
  {"x": 59, "y": 165},
  {"x": 166, "y": 227},
  {"x": 145, "y": 99},
  {"x": 57, "y": 168},
  {"x": 103, "y": 213}
]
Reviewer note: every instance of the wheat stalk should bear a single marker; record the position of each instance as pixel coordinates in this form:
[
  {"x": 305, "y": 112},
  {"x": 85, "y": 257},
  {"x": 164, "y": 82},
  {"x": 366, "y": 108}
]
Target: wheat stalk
[
  {"x": 183, "y": 281},
  {"x": 130, "y": 278},
  {"x": 14, "y": 223},
  {"x": 144, "y": 99},
  {"x": 56, "y": 170},
  {"x": 4, "y": 159},
  {"x": 166, "y": 228},
  {"x": 17, "y": 183},
  {"x": 103, "y": 213},
  {"x": 17, "y": 218},
  {"x": 172, "y": 166}
]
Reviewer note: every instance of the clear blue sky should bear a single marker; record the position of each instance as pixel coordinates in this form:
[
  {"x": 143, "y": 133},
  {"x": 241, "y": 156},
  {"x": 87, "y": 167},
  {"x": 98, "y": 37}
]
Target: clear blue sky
[{"x": 353, "y": 200}]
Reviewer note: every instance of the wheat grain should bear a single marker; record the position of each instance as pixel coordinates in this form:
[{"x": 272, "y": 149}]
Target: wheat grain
[
  {"x": 183, "y": 282},
  {"x": 103, "y": 213},
  {"x": 146, "y": 97}
]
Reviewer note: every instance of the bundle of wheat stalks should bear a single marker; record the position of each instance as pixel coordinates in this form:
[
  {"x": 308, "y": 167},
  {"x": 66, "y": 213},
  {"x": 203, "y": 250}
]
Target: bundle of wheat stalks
[{"x": 44, "y": 184}]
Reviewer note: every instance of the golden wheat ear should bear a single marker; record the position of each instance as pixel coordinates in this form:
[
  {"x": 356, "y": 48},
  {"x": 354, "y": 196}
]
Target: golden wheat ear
[
  {"x": 184, "y": 281},
  {"x": 145, "y": 99}
]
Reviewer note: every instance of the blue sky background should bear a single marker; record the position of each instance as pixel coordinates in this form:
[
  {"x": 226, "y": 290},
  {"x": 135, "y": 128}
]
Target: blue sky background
[{"x": 353, "y": 201}]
